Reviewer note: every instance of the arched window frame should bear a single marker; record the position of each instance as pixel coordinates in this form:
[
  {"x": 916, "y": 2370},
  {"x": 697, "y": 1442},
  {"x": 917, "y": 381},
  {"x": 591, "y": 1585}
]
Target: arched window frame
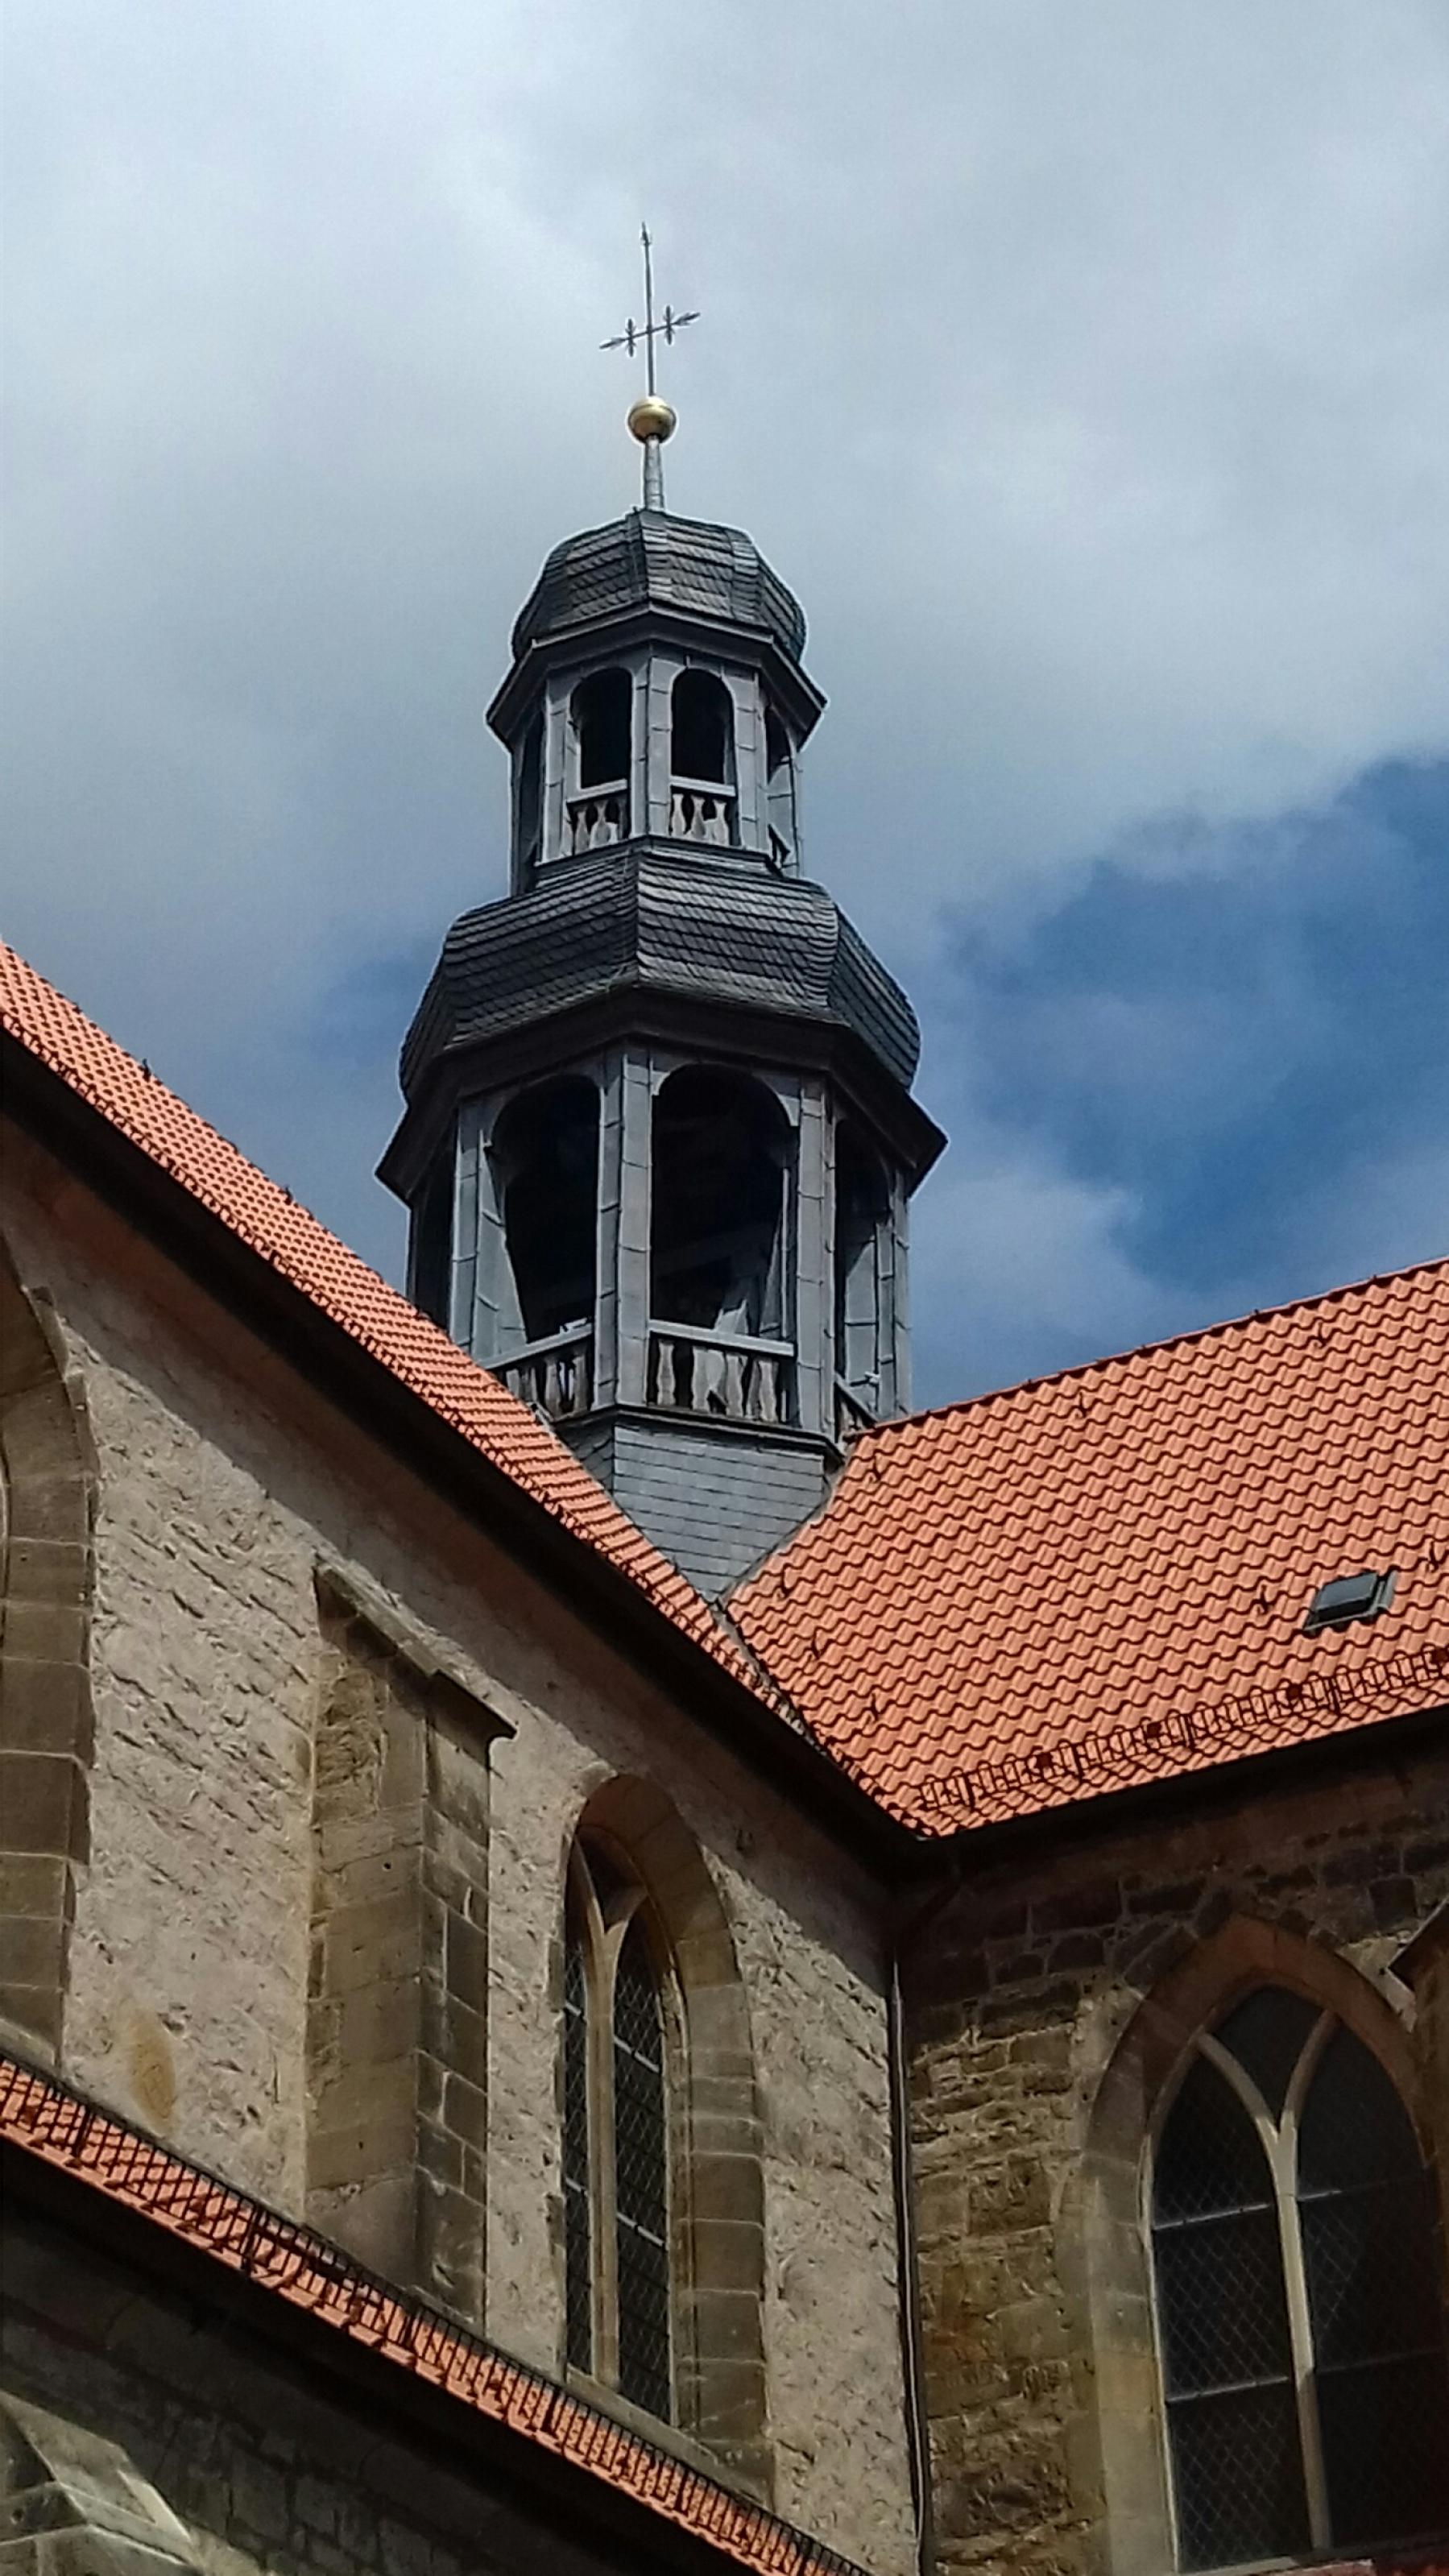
[
  {"x": 717, "y": 2278},
  {"x": 598, "y": 792},
  {"x": 1122, "y": 2479},
  {"x": 1279, "y": 2138},
  {"x": 602, "y": 1918}
]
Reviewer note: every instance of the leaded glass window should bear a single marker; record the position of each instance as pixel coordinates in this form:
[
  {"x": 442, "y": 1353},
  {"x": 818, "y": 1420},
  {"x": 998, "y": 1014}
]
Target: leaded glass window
[
  {"x": 616, "y": 2136},
  {"x": 1299, "y": 2324},
  {"x": 641, "y": 2177},
  {"x": 578, "y": 2194}
]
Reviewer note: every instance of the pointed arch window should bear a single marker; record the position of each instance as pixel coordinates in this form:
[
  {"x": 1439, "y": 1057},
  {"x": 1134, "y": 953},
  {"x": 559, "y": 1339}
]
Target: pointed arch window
[
  {"x": 1300, "y": 2328},
  {"x": 616, "y": 2135}
]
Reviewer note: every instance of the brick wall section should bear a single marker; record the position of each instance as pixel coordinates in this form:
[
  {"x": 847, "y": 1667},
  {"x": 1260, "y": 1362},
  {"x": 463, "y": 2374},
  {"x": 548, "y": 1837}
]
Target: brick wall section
[
  {"x": 223, "y": 1481},
  {"x": 1018, "y": 1995},
  {"x": 397, "y": 2027},
  {"x": 47, "y": 1499}
]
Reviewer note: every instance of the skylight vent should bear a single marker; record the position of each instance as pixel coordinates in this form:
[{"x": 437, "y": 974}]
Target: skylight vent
[{"x": 1347, "y": 1598}]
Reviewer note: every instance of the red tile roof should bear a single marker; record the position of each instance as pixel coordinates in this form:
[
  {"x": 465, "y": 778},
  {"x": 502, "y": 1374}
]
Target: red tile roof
[
  {"x": 1085, "y": 1583},
  {"x": 1100, "y": 1578},
  {"x": 272, "y": 1224},
  {"x": 304, "y": 2270}
]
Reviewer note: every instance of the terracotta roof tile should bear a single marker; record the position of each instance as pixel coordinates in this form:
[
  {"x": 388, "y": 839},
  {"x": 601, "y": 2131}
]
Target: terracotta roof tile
[
  {"x": 272, "y": 1224},
  {"x": 1100, "y": 1578},
  {"x": 295, "y": 2265}
]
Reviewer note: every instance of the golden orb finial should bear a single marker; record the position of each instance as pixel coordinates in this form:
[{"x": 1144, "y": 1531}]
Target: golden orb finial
[{"x": 652, "y": 417}]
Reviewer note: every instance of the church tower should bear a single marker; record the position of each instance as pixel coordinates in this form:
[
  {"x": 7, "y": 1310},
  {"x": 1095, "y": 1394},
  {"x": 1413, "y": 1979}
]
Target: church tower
[{"x": 659, "y": 1137}]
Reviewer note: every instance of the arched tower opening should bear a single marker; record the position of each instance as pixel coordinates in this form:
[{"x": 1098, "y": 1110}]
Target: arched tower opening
[
  {"x": 601, "y": 722},
  {"x": 701, "y": 759},
  {"x": 719, "y": 1246},
  {"x": 545, "y": 1155}
]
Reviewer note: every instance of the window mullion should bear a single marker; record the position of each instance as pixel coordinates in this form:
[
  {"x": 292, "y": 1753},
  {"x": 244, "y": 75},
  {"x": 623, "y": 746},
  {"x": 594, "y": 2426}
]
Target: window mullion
[
  {"x": 603, "y": 1957},
  {"x": 1284, "y": 2158}
]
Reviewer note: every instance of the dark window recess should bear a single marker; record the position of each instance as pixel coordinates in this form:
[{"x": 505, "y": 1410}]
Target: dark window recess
[
  {"x": 1348, "y": 1597},
  {"x": 701, "y": 725},
  {"x": 717, "y": 1243},
  {"x": 1267, "y": 2033},
  {"x": 578, "y": 2222},
  {"x": 546, "y": 1153},
  {"x": 432, "y": 1245},
  {"x": 641, "y": 2185},
  {"x": 601, "y": 712}
]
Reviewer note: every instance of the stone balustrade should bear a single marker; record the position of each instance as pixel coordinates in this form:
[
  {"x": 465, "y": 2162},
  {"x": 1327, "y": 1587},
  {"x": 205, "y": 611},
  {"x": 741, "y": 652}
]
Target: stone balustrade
[
  {"x": 596, "y": 820},
  {"x": 699, "y": 812},
  {"x": 555, "y": 1375},
  {"x": 733, "y": 1377}
]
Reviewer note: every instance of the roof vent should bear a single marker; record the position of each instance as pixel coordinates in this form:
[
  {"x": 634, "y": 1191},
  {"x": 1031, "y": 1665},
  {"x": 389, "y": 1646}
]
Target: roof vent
[{"x": 1348, "y": 1597}]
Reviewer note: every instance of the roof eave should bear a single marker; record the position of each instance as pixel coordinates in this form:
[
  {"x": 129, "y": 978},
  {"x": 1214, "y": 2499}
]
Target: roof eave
[
  {"x": 1221, "y": 1783},
  {"x": 532, "y": 2478}
]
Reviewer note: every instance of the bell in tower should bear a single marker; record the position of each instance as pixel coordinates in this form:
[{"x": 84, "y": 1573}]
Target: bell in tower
[{"x": 659, "y": 1137}]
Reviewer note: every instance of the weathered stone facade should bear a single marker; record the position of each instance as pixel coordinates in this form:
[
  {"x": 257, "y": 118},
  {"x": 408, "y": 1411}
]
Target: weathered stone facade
[
  {"x": 1051, "y": 1999},
  {"x": 397, "y": 2012},
  {"x": 47, "y": 1496},
  {"x": 146, "y": 2432},
  {"x": 223, "y": 1483}
]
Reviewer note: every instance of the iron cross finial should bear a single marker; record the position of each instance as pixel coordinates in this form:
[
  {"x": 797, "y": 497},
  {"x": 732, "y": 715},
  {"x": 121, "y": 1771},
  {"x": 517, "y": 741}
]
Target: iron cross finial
[{"x": 652, "y": 420}]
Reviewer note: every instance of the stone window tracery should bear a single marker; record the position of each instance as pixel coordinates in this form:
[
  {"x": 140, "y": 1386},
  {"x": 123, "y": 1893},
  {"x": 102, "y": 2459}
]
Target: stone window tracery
[
  {"x": 1299, "y": 2329},
  {"x": 616, "y": 2135}
]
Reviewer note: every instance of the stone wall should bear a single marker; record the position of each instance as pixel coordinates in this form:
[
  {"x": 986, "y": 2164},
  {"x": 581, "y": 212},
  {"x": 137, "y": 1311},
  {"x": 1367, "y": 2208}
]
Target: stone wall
[
  {"x": 223, "y": 1482},
  {"x": 397, "y": 2012},
  {"x": 47, "y": 1495},
  {"x": 1041, "y": 2375},
  {"x": 143, "y": 2433}
]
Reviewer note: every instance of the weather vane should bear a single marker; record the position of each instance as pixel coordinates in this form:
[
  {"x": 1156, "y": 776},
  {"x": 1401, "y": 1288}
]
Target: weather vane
[{"x": 651, "y": 418}]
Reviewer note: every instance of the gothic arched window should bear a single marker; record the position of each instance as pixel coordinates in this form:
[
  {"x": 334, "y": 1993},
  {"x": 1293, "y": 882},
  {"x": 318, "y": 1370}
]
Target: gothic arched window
[
  {"x": 1299, "y": 2321},
  {"x": 616, "y": 2135}
]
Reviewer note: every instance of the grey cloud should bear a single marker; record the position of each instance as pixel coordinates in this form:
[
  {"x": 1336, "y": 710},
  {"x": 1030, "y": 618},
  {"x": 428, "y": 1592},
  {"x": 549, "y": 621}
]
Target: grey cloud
[{"x": 1084, "y": 369}]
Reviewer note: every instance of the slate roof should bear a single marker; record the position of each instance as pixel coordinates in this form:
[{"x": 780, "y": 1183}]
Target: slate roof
[
  {"x": 308, "y": 2272},
  {"x": 639, "y": 918},
  {"x": 379, "y": 1318},
  {"x": 652, "y": 559},
  {"x": 1100, "y": 1578}
]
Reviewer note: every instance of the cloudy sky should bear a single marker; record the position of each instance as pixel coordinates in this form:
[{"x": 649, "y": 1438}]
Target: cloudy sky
[{"x": 1084, "y": 364}]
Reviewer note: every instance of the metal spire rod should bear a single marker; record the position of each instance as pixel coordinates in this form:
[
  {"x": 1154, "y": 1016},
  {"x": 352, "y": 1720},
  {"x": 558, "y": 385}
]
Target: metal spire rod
[{"x": 653, "y": 419}]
